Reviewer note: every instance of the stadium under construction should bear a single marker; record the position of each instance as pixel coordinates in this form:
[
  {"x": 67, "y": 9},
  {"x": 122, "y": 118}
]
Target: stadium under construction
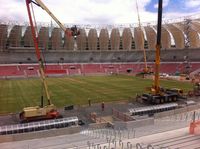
[{"x": 100, "y": 62}]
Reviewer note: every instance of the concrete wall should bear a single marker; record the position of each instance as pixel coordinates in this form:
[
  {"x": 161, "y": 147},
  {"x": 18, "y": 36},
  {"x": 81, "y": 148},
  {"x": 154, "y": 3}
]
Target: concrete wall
[
  {"x": 104, "y": 56},
  {"x": 133, "y": 124}
]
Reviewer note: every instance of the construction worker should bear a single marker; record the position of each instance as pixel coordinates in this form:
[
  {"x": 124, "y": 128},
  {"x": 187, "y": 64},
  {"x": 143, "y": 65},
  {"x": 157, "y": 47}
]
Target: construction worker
[
  {"x": 102, "y": 106},
  {"x": 89, "y": 102}
]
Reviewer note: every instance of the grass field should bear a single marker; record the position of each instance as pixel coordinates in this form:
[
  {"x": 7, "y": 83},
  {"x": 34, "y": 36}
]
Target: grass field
[{"x": 16, "y": 94}]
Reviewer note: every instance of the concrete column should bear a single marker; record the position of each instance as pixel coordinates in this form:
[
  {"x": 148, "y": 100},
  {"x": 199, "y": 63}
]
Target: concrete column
[
  {"x": 28, "y": 39},
  {"x": 15, "y": 36},
  {"x": 139, "y": 38},
  {"x": 103, "y": 39},
  {"x": 115, "y": 39},
  {"x": 56, "y": 39},
  {"x": 151, "y": 37},
  {"x": 92, "y": 39},
  {"x": 44, "y": 38},
  {"x": 82, "y": 43},
  {"x": 178, "y": 36},
  {"x": 126, "y": 39},
  {"x": 3, "y": 36}
]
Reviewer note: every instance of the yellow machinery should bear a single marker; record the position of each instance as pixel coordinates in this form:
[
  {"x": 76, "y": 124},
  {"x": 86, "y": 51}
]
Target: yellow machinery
[
  {"x": 157, "y": 94},
  {"x": 48, "y": 111},
  {"x": 146, "y": 70},
  {"x": 196, "y": 86}
]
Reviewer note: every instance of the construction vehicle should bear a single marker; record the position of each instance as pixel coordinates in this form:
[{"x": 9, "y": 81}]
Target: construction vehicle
[
  {"x": 48, "y": 111},
  {"x": 196, "y": 86},
  {"x": 157, "y": 94},
  {"x": 197, "y": 89}
]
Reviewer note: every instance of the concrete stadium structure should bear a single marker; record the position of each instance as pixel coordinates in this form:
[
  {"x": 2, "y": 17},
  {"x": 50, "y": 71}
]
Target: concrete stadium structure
[
  {"x": 99, "y": 50},
  {"x": 114, "y": 44}
]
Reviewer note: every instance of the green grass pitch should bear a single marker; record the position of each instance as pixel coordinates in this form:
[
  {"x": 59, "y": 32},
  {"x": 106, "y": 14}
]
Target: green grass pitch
[{"x": 19, "y": 93}]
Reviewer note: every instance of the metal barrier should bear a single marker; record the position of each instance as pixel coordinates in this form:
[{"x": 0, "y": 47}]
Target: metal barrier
[
  {"x": 153, "y": 109},
  {"x": 38, "y": 126}
]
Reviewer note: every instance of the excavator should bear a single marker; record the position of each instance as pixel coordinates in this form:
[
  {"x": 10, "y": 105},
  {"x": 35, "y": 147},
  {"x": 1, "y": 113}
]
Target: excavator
[
  {"x": 157, "y": 94},
  {"x": 48, "y": 111}
]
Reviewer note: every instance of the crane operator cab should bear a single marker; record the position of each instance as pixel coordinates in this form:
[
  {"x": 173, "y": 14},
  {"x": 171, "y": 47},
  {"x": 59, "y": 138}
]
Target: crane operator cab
[{"x": 74, "y": 31}]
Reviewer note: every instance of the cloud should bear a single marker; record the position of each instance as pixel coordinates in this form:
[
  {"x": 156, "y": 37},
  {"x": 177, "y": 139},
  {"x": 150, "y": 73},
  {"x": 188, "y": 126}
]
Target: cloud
[
  {"x": 93, "y": 11},
  {"x": 12, "y": 10},
  {"x": 77, "y": 11},
  {"x": 165, "y": 4},
  {"x": 192, "y": 3}
]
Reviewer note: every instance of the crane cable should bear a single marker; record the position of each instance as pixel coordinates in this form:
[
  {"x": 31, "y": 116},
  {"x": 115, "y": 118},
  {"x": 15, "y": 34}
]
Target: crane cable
[
  {"x": 43, "y": 62},
  {"x": 37, "y": 35},
  {"x": 35, "y": 23}
]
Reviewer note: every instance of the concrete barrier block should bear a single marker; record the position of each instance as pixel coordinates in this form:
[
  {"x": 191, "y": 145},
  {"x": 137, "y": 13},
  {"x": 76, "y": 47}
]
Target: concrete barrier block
[
  {"x": 164, "y": 114},
  {"x": 6, "y": 138},
  {"x": 179, "y": 111},
  {"x": 133, "y": 124},
  {"x": 192, "y": 107}
]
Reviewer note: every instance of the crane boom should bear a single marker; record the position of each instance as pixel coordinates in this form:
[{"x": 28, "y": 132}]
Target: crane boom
[
  {"x": 144, "y": 52},
  {"x": 41, "y": 67},
  {"x": 158, "y": 45},
  {"x": 160, "y": 95},
  {"x": 43, "y": 6},
  {"x": 68, "y": 31},
  {"x": 48, "y": 111}
]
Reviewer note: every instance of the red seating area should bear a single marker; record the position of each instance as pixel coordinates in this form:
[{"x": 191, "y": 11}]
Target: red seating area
[
  {"x": 168, "y": 68},
  {"x": 55, "y": 71},
  {"x": 91, "y": 68},
  {"x": 10, "y": 71},
  {"x": 30, "y": 70}
]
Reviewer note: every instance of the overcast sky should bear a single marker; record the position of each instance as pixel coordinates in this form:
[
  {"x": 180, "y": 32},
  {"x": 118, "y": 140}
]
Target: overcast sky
[{"x": 99, "y": 11}]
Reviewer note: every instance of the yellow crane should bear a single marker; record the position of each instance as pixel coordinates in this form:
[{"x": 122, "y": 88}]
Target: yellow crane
[
  {"x": 157, "y": 94},
  {"x": 146, "y": 69}
]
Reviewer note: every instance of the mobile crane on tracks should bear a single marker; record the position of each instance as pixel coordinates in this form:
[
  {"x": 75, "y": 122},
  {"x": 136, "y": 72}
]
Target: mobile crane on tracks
[
  {"x": 158, "y": 95},
  {"x": 48, "y": 111}
]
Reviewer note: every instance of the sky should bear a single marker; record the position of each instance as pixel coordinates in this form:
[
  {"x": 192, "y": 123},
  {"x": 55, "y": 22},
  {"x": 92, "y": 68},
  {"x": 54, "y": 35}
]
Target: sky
[{"x": 99, "y": 11}]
